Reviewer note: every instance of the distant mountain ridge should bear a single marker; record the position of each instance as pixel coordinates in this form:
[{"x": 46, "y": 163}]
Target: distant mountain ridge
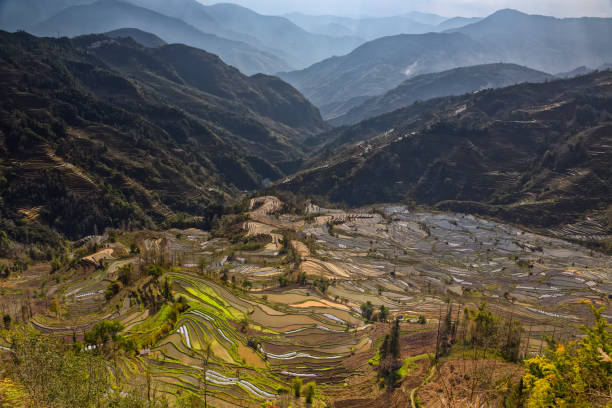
[
  {"x": 141, "y": 37},
  {"x": 543, "y": 43},
  {"x": 452, "y": 82},
  {"x": 283, "y": 45},
  {"x": 380, "y": 65},
  {"x": 546, "y": 43},
  {"x": 108, "y": 15},
  {"x": 371, "y": 28}
]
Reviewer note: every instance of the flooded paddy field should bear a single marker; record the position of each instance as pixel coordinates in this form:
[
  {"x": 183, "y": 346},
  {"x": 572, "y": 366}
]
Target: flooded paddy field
[{"x": 291, "y": 307}]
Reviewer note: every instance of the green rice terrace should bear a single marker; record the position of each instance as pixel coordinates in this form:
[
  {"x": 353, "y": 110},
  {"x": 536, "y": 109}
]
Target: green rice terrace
[{"x": 240, "y": 313}]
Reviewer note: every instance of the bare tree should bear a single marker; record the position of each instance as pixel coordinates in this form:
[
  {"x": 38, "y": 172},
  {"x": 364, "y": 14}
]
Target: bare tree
[{"x": 207, "y": 351}]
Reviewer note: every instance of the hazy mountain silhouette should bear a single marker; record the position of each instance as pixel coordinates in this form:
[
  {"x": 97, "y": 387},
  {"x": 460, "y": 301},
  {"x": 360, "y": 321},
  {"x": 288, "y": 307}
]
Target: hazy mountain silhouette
[
  {"x": 457, "y": 81},
  {"x": 371, "y": 28},
  {"x": 109, "y": 15},
  {"x": 141, "y": 37},
  {"x": 381, "y": 65},
  {"x": 545, "y": 43}
]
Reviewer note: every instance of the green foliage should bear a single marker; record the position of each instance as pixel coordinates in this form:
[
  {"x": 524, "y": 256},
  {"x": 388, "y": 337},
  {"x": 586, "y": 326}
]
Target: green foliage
[
  {"x": 46, "y": 372},
  {"x": 56, "y": 264},
  {"x": 367, "y": 310},
  {"x": 187, "y": 399},
  {"x": 409, "y": 364},
  {"x": 578, "y": 374},
  {"x": 390, "y": 351},
  {"x": 162, "y": 323},
  {"x": 103, "y": 332},
  {"x": 383, "y": 313},
  {"x": 283, "y": 281},
  {"x": 166, "y": 290},
  {"x": 485, "y": 329},
  {"x": 309, "y": 392},
  {"x": 482, "y": 325},
  {"x": 125, "y": 274},
  {"x": 322, "y": 284},
  {"x": 296, "y": 386},
  {"x": 331, "y": 229},
  {"x": 6, "y": 321},
  {"x": 376, "y": 359},
  {"x": 155, "y": 270},
  {"x": 112, "y": 290},
  {"x": 55, "y": 375},
  {"x": 422, "y": 319},
  {"x": 394, "y": 342}
]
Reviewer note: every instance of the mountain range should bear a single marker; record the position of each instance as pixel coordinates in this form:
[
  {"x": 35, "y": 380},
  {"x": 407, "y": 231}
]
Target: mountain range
[
  {"x": 543, "y": 43},
  {"x": 109, "y": 15},
  {"x": 250, "y": 41},
  {"x": 370, "y": 28},
  {"x": 380, "y": 65},
  {"x": 546, "y": 43},
  {"x": 452, "y": 82}
]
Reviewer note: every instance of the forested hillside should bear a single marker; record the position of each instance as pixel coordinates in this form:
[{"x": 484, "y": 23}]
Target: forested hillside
[
  {"x": 100, "y": 132},
  {"x": 537, "y": 154}
]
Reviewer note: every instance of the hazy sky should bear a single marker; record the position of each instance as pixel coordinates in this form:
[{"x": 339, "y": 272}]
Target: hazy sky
[{"x": 559, "y": 8}]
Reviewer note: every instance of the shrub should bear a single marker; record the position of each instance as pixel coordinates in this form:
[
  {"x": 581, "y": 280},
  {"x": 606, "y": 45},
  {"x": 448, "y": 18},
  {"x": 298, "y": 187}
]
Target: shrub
[{"x": 573, "y": 375}]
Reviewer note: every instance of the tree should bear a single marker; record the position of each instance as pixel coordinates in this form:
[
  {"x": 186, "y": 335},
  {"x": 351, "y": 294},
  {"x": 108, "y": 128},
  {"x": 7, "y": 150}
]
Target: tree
[
  {"x": 384, "y": 347},
  {"x": 296, "y": 386},
  {"x": 6, "y": 320},
  {"x": 309, "y": 392},
  {"x": 202, "y": 265},
  {"x": 207, "y": 352},
  {"x": 55, "y": 375},
  {"x": 367, "y": 310},
  {"x": 55, "y": 307},
  {"x": 134, "y": 249},
  {"x": 155, "y": 270},
  {"x": 125, "y": 274},
  {"x": 103, "y": 332},
  {"x": 481, "y": 325},
  {"x": 166, "y": 291},
  {"x": 394, "y": 341},
  {"x": 383, "y": 314},
  {"x": 511, "y": 343},
  {"x": 112, "y": 290}
]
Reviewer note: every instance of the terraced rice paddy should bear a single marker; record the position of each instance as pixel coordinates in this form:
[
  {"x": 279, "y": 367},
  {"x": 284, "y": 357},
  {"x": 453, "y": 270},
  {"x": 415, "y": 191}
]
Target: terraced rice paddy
[{"x": 410, "y": 262}]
